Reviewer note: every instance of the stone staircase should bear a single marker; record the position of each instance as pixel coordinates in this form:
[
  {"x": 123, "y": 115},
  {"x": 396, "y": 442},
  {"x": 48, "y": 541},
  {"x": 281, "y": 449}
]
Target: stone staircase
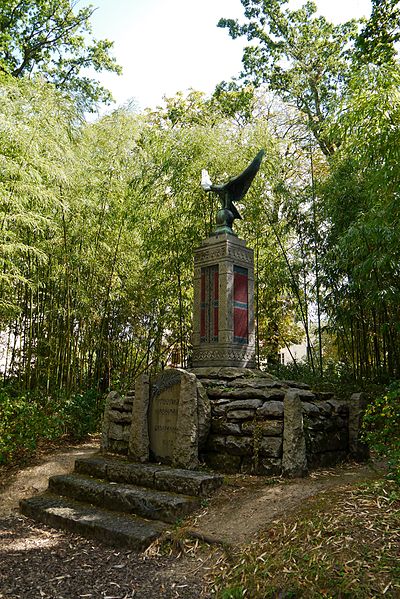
[{"x": 119, "y": 502}]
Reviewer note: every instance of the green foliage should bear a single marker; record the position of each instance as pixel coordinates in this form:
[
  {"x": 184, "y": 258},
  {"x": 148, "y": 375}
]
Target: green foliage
[
  {"x": 48, "y": 37},
  {"x": 301, "y": 57},
  {"x": 336, "y": 376},
  {"x": 361, "y": 247},
  {"x": 381, "y": 425},
  {"x": 376, "y": 42},
  {"x": 100, "y": 222},
  {"x": 26, "y": 418},
  {"x": 338, "y": 223},
  {"x": 233, "y": 593}
]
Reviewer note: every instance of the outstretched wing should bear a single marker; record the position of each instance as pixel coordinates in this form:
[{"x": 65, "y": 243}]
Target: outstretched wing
[{"x": 238, "y": 186}]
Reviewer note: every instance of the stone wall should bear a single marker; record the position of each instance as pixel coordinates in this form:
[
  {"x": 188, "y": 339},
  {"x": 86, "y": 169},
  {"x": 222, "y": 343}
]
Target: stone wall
[
  {"x": 259, "y": 424},
  {"x": 246, "y": 420},
  {"x": 249, "y": 419},
  {"x": 326, "y": 428}
]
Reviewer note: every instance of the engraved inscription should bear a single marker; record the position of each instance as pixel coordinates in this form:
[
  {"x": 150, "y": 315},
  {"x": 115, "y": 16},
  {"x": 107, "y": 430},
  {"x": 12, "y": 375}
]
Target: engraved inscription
[{"x": 163, "y": 414}]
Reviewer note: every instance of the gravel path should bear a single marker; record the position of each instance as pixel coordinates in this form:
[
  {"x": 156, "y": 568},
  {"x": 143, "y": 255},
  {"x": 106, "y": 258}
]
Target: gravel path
[{"x": 40, "y": 563}]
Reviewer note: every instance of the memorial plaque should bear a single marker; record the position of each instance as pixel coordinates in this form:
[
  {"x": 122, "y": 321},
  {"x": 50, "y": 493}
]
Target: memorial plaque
[{"x": 163, "y": 415}]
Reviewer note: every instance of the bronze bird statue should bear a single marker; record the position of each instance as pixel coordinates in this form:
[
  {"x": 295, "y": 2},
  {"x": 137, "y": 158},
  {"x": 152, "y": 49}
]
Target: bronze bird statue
[{"x": 232, "y": 191}]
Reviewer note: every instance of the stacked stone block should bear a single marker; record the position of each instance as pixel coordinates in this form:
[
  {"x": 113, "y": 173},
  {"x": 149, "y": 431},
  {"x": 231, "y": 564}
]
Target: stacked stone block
[
  {"x": 255, "y": 429},
  {"x": 117, "y": 423},
  {"x": 246, "y": 420},
  {"x": 326, "y": 429},
  {"x": 247, "y": 423}
]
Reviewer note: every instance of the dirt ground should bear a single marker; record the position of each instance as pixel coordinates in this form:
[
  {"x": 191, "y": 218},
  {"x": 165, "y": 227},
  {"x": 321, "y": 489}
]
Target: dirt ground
[{"x": 39, "y": 562}]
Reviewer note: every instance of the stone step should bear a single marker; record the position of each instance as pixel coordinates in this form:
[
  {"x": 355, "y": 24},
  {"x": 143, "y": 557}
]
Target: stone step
[
  {"x": 111, "y": 528},
  {"x": 145, "y": 502},
  {"x": 154, "y": 476}
]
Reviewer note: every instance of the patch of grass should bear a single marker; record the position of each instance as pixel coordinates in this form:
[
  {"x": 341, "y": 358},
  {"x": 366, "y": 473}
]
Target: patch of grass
[{"x": 344, "y": 543}]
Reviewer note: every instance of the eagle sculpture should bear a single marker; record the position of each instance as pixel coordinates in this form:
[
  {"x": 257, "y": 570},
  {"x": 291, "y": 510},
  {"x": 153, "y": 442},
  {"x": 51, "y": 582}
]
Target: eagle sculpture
[{"x": 232, "y": 191}]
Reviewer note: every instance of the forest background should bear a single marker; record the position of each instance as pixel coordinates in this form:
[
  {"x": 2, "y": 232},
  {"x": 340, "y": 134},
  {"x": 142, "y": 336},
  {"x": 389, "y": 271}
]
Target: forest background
[{"x": 99, "y": 219}]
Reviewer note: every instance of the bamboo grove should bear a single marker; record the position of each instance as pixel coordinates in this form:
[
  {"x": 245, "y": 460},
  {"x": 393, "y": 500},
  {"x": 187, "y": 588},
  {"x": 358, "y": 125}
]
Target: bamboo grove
[{"x": 99, "y": 221}]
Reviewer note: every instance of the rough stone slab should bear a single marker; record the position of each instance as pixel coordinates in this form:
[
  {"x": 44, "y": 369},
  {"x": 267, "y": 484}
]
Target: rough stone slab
[
  {"x": 206, "y": 373},
  {"x": 221, "y": 427},
  {"x": 154, "y": 476},
  {"x": 186, "y": 450},
  {"x": 219, "y": 410},
  {"x": 234, "y": 373},
  {"x": 223, "y": 462},
  {"x": 325, "y": 407},
  {"x": 120, "y": 417},
  {"x": 306, "y": 394},
  {"x": 325, "y": 395},
  {"x": 245, "y": 404},
  {"x": 323, "y": 441},
  {"x": 263, "y": 466},
  {"x": 340, "y": 407},
  {"x": 216, "y": 443},
  {"x": 267, "y": 428},
  {"x": 203, "y": 414},
  {"x": 271, "y": 409},
  {"x": 188, "y": 482},
  {"x": 119, "y": 447},
  {"x": 310, "y": 409},
  {"x": 294, "y": 460},
  {"x": 118, "y": 432},
  {"x": 245, "y": 393},
  {"x": 78, "y": 487},
  {"x": 213, "y": 382},
  {"x": 239, "y": 445},
  {"x": 115, "y": 401},
  {"x": 257, "y": 383},
  {"x": 134, "y": 474},
  {"x": 148, "y": 503},
  {"x": 296, "y": 384},
  {"x": 229, "y": 373},
  {"x": 240, "y": 414},
  {"x": 95, "y": 466},
  {"x": 112, "y": 398},
  {"x": 270, "y": 447},
  {"x": 334, "y": 423},
  {"x": 139, "y": 431},
  {"x": 107, "y": 527}
]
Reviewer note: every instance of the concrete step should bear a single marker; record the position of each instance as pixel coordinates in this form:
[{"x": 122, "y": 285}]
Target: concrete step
[
  {"x": 111, "y": 528},
  {"x": 145, "y": 502},
  {"x": 154, "y": 476}
]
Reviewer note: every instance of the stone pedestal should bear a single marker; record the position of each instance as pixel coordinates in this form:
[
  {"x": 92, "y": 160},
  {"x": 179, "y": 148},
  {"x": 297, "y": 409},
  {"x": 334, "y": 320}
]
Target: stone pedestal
[{"x": 223, "y": 315}]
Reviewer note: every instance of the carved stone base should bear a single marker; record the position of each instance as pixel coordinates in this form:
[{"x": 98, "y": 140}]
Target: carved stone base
[{"x": 211, "y": 356}]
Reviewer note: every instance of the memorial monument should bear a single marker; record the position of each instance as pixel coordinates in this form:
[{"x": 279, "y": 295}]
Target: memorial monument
[
  {"x": 222, "y": 412},
  {"x": 223, "y": 314}
]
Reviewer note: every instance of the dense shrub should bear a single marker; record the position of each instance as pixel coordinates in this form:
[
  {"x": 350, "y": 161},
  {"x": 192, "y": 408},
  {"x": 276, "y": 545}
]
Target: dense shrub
[
  {"x": 382, "y": 427},
  {"x": 26, "y": 418},
  {"x": 337, "y": 377}
]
